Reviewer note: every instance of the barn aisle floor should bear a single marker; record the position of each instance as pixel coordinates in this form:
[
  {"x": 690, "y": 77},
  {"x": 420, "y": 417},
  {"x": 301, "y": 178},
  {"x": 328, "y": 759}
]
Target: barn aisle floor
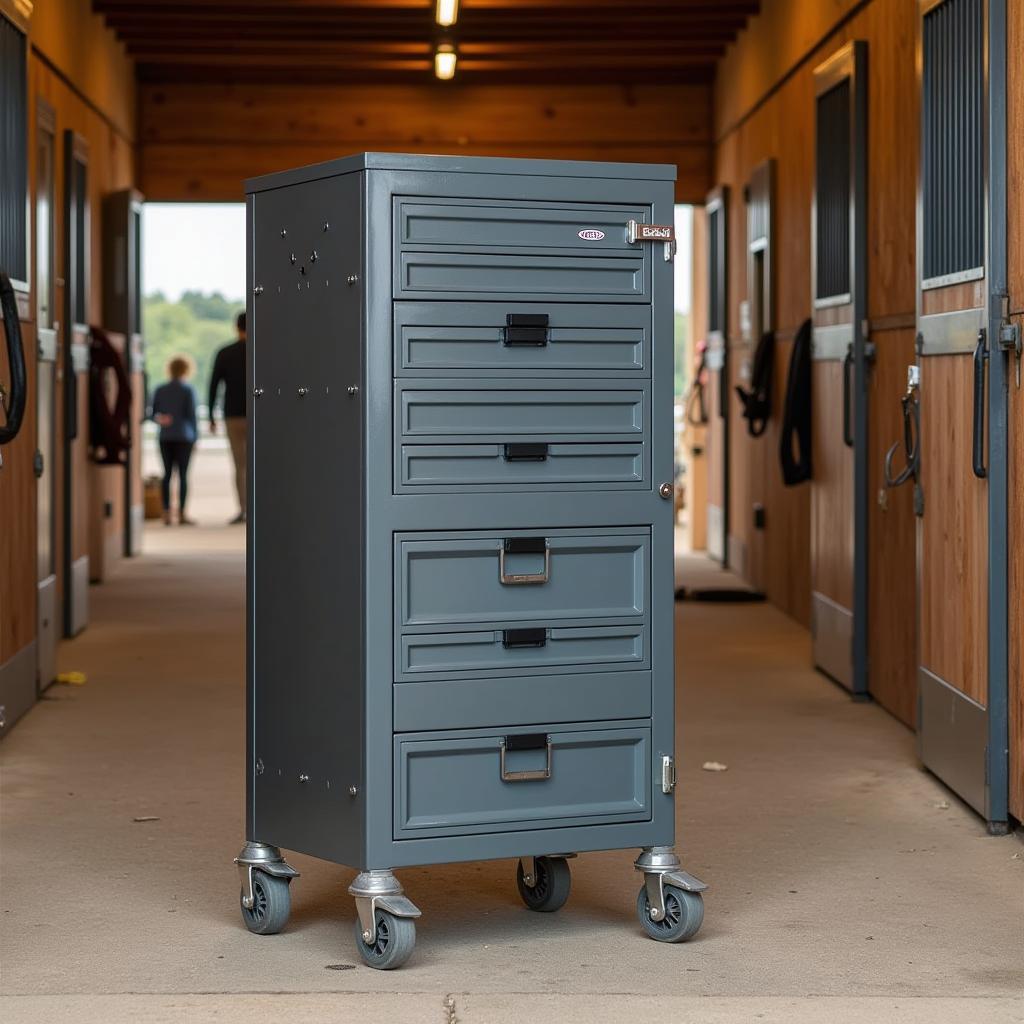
[{"x": 846, "y": 884}]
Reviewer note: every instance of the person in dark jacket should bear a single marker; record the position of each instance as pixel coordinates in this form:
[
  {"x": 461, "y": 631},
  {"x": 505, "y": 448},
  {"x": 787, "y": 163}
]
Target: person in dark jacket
[
  {"x": 174, "y": 409},
  {"x": 229, "y": 370}
]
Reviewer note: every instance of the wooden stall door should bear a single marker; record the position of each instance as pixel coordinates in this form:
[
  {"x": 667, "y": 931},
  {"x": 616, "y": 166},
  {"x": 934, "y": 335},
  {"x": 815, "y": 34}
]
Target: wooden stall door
[
  {"x": 716, "y": 437},
  {"x": 838, "y": 287},
  {"x": 47, "y": 346},
  {"x": 953, "y": 539}
]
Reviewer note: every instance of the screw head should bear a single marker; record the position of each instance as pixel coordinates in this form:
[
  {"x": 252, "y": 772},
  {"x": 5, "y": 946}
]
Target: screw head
[
  {"x": 352, "y": 278},
  {"x": 353, "y": 790},
  {"x": 259, "y": 766},
  {"x": 327, "y": 226},
  {"x": 258, "y": 290},
  {"x": 291, "y": 259},
  {"x": 257, "y": 392},
  {"x": 303, "y": 392},
  {"x": 665, "y": 490},
  {"x": 284, "y": 232},
  {"x": 303, "y": 777},
  {"x": 353, "y": 390},
  {"x": 314, "y": 256}
]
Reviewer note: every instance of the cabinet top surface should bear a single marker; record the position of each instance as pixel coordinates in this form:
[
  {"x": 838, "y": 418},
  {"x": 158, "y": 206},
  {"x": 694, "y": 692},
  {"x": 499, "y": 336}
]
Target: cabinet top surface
[{"x": 460, "y": 164}]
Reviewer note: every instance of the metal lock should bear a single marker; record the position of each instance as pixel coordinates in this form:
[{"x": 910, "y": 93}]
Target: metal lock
[{"x": 665, "y": 490}]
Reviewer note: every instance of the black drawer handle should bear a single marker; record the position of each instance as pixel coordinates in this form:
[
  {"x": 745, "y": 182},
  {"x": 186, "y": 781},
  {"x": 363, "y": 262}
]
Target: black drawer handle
[
  {"x": 526, "y": 452},
  {"x": 525, "y": 741},
  {"x": 526, "y": 329},
  {"x": 524, "y": 637}
]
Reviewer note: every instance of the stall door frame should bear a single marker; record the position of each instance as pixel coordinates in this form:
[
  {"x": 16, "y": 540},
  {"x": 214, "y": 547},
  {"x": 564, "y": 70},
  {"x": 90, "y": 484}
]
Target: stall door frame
[
  {"x": 47, "y": 348},
  {"x": 840, "y": 641},
  {"x": 75, "y": 362},
  {"x": 717, "y": 210},
  {"x": 960, "y": 739}
]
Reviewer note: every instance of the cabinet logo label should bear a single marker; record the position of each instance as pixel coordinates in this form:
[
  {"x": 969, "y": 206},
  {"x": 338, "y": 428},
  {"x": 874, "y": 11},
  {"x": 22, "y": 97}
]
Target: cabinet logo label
[{"x": 591, "y": 234}]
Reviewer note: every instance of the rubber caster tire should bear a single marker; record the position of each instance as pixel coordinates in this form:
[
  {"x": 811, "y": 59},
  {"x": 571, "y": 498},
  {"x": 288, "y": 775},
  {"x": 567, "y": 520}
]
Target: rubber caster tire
[
  {"x": 684, "y": 914},
  {"x": 272, "y": 903},
  {"x": 552, "y": 885},
  {"x": 396, "y": 939}
]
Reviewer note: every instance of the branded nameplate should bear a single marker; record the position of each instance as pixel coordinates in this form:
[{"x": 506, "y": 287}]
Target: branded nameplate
[{"x": 637, "y": 232}]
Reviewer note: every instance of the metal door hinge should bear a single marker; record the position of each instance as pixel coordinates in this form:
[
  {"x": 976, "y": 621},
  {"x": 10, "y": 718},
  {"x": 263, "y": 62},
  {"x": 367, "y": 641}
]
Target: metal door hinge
[
  {"x": 668, "y": 774},
  {"x": 638, "y": 232},
  {"x": 1010, "y": 341}
]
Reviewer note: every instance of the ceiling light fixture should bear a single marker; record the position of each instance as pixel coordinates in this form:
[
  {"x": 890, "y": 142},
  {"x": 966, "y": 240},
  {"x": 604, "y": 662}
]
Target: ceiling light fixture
[
  {"x": 445, "y": 59},
  {"x": 447, "y": 13}
]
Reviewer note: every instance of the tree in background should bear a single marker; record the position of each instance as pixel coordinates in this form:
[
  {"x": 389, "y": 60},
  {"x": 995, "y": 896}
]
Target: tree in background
[{"x": 196, "y": 325}]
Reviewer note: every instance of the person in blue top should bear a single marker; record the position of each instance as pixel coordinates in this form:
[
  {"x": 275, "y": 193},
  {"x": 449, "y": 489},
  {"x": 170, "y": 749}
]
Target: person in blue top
[{"x": 174, "y": 410}]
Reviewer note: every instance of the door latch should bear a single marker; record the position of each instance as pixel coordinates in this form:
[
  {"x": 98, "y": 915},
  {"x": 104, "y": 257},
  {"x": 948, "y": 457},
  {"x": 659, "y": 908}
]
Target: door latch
[
  {"x": 1009, "y": 333},
  {"x": 668, "y": 774}
]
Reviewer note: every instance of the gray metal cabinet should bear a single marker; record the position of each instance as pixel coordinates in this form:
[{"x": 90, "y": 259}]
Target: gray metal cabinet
[{"x": 460, "y": 611}]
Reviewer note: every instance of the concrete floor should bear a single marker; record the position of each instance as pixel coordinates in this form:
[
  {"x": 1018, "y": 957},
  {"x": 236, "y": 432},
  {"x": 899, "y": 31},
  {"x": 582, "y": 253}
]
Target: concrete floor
[{"x": 846, "y": 884}]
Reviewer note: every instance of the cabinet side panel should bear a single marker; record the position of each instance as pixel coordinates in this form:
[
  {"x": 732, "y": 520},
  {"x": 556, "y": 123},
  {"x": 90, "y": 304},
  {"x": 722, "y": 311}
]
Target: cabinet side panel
[{"x": 305, "y": 521}]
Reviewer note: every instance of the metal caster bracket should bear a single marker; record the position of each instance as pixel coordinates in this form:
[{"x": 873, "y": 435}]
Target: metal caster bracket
[
  {"x": 660, "y": 865},
  {"x": 379, "y": 889},
  {"x": 265, "y": 858},
  {"x": 529, "y": 866}
]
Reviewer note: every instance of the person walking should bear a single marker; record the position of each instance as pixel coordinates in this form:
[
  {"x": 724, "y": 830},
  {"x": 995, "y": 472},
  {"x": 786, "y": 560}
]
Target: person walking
[
  {"x": 174, "y": 410},
  {"x": 229, "y": 370}
]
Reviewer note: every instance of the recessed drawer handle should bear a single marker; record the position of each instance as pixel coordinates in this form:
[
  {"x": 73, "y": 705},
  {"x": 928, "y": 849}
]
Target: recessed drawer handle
[
  {"x": 525, "y": 741},
  {"x": 526, "y": 452},
  {"x": 524, "y": 546},
  {"x": 524, "y": 637},
  {"x": 526, "y": 329}
]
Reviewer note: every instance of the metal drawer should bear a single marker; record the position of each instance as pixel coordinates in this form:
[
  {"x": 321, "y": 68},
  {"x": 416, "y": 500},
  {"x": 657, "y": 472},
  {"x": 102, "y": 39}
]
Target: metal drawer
[
  {"x": 526, "y": 466},
  {"x": 433, "y": 338},
  {"x": 524, "y": 649},
  {"x": 501, "y": 225},
  {"x": 452, "y": 784},
  {"x": 475, "y": 275},
  {"x": 520, "y": 575},
  {"x": 488, "y": 411},
  {"x": 425, "y": 703}
]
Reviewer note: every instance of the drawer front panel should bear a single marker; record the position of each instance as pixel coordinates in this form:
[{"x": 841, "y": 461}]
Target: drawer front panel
[
  {"x": 424, "y": 467},
  {"x": 433, "y": 338},
  {"x": 530, "y": 649},
  {"x": 493, "y": 413},
  {"x": 453, "y": 785},
  {"x": 458, "y": 580},
  {"x": 500, "y": 700},
  {"x": 503, "y": 225},
  {"x": 474, "y": 275}
]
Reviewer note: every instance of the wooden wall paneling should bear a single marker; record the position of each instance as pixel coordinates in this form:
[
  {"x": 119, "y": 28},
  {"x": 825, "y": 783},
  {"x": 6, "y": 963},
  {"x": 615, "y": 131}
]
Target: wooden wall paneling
[
  {"x": 892, "y": 581},
  {"x": 1015, "y": 173},
  {"x": 200, "y": 144},
  {"x": 763, "y": 107},
  {"x": 954, "y": 541}
]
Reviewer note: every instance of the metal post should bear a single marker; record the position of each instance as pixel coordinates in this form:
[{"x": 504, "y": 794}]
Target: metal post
[{"x": 997, "y": 751}]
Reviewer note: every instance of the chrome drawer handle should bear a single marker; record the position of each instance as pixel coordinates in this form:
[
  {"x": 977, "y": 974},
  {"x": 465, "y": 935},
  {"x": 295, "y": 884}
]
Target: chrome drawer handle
[
  {"x": 529, "y": 742},
  {"x": 512, "y": 578}
]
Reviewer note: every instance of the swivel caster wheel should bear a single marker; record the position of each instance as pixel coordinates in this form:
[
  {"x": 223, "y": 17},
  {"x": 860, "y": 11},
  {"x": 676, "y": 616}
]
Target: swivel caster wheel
[
  {"x": 392, "y": 945},
  {"x": 271, "y": 904},
  {"x": 546, "y": 888},
  {"x": 684, "y": 914}
]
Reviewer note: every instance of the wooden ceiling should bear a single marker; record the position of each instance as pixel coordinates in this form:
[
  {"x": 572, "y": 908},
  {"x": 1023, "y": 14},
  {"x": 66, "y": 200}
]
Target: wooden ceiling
[{"x": 369, "y": 41}]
